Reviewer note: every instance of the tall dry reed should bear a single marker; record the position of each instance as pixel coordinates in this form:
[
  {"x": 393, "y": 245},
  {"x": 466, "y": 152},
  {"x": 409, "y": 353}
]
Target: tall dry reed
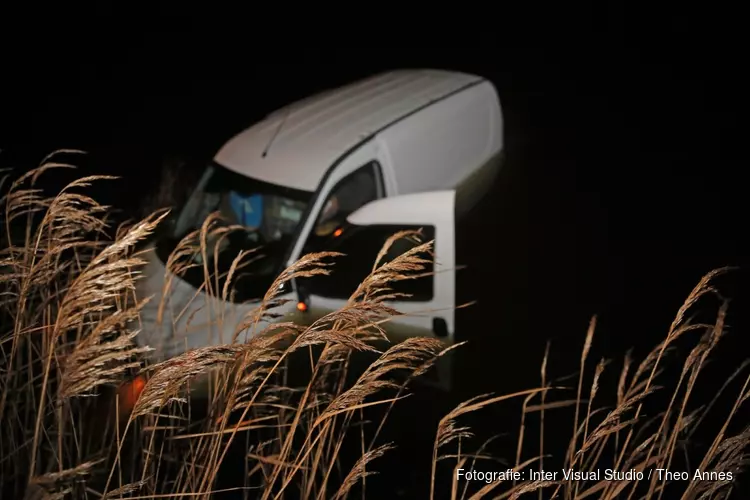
[{"x": 68, "y": 341}]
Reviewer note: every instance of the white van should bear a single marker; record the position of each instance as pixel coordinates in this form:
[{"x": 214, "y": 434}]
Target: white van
[{"x": 404, "y": 149}]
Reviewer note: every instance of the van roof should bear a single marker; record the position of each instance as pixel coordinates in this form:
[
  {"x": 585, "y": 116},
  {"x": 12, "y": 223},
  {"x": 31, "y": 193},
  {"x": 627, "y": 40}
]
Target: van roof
[{"x": 303, "y": 139}]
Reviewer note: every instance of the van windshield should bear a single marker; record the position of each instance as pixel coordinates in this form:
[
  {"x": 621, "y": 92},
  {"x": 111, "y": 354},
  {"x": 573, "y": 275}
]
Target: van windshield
[{"x": 268, "y": 213}]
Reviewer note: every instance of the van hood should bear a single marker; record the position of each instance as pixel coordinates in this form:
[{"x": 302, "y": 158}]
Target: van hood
[
  {"x": 159, "y": 321},
  {"x": 179, "y": 317}
]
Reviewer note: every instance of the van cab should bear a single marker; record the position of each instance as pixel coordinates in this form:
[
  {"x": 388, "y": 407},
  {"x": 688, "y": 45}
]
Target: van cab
[{"x": 408, "y": 149}]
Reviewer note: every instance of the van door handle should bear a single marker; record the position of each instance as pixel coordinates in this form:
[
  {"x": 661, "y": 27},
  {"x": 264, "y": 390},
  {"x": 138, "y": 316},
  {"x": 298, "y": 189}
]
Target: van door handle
[{"x": 439, "y": 327}]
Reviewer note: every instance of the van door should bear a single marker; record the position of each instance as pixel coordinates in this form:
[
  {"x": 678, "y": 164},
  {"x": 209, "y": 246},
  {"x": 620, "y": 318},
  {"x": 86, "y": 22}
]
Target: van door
[
  {"x": 429, "y": 305},
  {"x": 350, "y": 193},
  {"x": 349, "y": 188}
]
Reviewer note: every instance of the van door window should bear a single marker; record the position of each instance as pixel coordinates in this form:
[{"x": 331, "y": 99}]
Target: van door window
[
  {"x": 360, "y": 246},
  {"x": 351, "y": 193}
]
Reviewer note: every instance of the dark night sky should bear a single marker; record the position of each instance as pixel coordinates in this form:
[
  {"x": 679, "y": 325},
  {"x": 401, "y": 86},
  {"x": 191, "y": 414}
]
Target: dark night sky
[{"x": 625, "y": 129}]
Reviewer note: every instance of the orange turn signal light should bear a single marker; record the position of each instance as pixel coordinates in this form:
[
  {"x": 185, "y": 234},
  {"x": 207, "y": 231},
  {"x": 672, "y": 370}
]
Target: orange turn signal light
[
  {"x": 301, "y": 306},
  {"x": 337, "y": 232},
  {"x": 130, "y": 392}
]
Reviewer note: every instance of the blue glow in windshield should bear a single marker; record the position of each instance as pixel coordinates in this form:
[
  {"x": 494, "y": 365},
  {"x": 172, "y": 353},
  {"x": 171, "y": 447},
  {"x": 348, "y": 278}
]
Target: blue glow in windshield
[{"x": 248, "y": 209}]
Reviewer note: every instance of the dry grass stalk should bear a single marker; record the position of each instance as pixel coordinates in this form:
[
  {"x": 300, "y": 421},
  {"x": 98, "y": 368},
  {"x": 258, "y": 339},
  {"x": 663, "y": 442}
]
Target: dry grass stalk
[{"x": 68, "y": 307}]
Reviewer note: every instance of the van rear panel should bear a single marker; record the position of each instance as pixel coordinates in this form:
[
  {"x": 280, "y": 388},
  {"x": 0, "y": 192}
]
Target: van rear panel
[{"x": 445, "y": 143}]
